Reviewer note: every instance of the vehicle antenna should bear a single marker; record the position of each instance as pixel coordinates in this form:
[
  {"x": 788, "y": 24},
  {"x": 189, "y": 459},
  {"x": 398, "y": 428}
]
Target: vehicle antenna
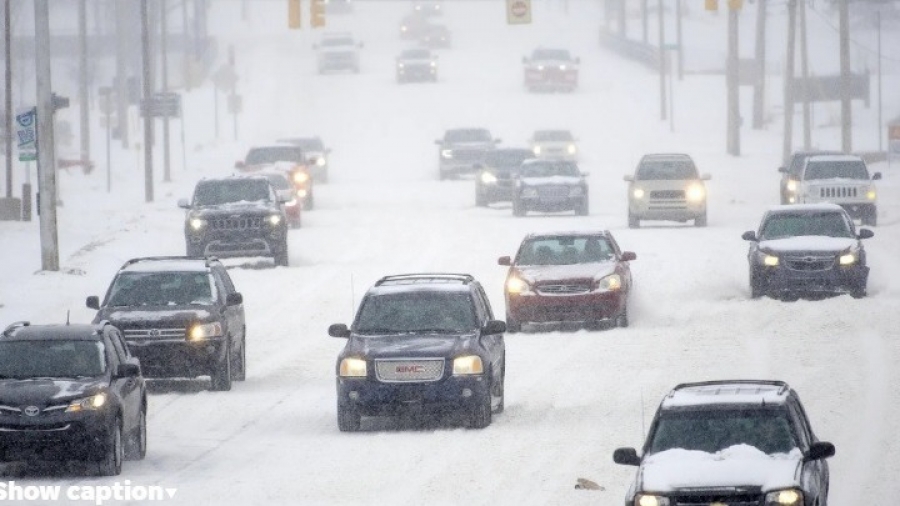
[{"x": 68, "y": 313}]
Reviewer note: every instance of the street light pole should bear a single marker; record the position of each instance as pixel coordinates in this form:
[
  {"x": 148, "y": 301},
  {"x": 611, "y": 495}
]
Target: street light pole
[
  {"x": 45, "y": 152},
  {"x": 147, "y": 98}
]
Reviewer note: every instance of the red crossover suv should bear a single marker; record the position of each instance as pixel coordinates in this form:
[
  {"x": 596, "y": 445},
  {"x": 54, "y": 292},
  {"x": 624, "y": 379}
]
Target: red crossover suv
[{"x": 568, "y": 276}]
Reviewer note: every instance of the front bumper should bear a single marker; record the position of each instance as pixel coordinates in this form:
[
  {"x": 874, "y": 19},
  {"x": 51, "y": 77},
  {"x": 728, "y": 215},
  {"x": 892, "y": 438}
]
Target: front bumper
[
  {"x": 416, "y": 73},
  {"x": 551, "y": 79},
  {"x": 237, "y": 243},
  {"x": 551, "y": 203},
  {"x": 666, "y": 209},
  {"x": 177, "y": 358},
  {"x": 375, "y": 398},
  {"x": 534, "y": 307},
  {"x": 55, "y": 436},
  {"x": 783, "y": 280}
]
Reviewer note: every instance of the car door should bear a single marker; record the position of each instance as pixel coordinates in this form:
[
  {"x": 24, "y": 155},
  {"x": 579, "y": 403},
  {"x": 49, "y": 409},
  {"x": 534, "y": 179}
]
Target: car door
[
  {"x": 493, "y": 343},
  {"x": 814, "y": 475},
  {"x": 624, "y": 267},
  {"x": 233, "y": 314},
  {"x": 127, "y": 389}
]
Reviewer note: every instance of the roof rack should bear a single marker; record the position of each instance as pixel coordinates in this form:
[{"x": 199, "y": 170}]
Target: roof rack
[
  {"x": 783, "y": 386},
  {"x": 425, "y": 278},
  {"x": 209, "y": 259},
  {"x": 13, "y": 326}
]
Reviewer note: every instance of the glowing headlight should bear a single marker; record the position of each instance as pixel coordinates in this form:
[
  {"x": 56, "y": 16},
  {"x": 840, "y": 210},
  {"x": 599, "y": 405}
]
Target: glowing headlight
[
  {"x": 576, "y": 191},
  {"x": 488, "y": 178},
  {"x": 638, "y": 193},
  {"x": 321, "y": 161},
  {"x": 301, "y": 177},
  {"x": 651, "y": 500},
  {"x": 301, "y": 194},
  {"x": 197, "y": 223},
  {"x": 399, "y": 65},
  {"x": 433, "y": 64},
  {"x": 562, "y": 67},
  {"x": 788, "y": 497},
  {"x": 537, "y": 150},
  {"x": 91, "y": 403},
  {"x": 608, "y": 283},
  {"x": 447, "y": 153},
  {"x": 791, "y": 185},
  {"x": 470, "y": 364},
  {"x": 516, "y": 285},
  {"x": 274, "y": 219},
  {"x": 870, "y": 194},
  {"x": 770, "y": 260},
  {"x": 540, "y": 67},
  {"x": 290, "y": 203},
  {"x": 695, "y": 193},
  {"x": 353, "y": 368},
  {"x": 848, "y": 258},
  {"x": 204, "y": 331},
  {"x": 529, "y": 193},
  {"x": 571, "y": 149},
  {"x": 402, "y": 28}
]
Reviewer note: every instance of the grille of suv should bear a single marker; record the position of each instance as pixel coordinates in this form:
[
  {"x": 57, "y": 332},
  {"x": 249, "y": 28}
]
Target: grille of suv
[
  {"x": 237, "y": 223},
  {"x": 809, "y": 263},
  {"x": 468, "y": 155},
  {"x": 563, "y": 289},
  {"x": 838, "y": 192},
  {"x": 667, "y": 194},
  {"x": 553, "y": 191},
  {"x": 167, "y": 333},
  {"x": 731, "y": 499},
  {"x": 399, "y": 371}
]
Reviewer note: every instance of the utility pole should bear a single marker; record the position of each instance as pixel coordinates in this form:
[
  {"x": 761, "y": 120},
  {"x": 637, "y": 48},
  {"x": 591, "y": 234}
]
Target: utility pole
[
  {"x": 733, "y": 84},
  {"x": 804, "y": 73},
  {"x": 8, "y": 114},
  {"x": 679, "y": 40},
  {"x": 662, "y": 62},
  {"x": 759, "y": 87},
  {"x": 188, "y": 48},
  {"x": 121, "y": 83},
  {"x": 846, "y": 111},
  {"x": 45, "y": 152},
  {"x": 789, "y": 83},
  {"x": 623, "y": 29},
  {"x": 645, "y": 21},
  {"x": 83, "y": 109},
  {"x": 880, "y": 122},
  {"x": 164, "y": 60},
  {"x": 147, "y": 98}
]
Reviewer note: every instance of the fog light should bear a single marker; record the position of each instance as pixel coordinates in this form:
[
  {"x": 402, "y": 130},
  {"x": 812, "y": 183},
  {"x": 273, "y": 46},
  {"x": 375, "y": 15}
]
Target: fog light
[
  {"x": 354, "y": 395},
  {"x": 466, "y": 393}
]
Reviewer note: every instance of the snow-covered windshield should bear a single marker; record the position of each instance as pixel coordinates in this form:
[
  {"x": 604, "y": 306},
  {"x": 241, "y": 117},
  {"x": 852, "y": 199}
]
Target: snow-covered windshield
[
  {"x": 673, "y": 169},
  {"x": 416, "y": 312},
  {"x": 214, "y": 193},
  {"x": 274, "y": 154},
  {"x": 565, "y": 250},
  {"x": 851, "y": 169},
  {"x": 713, "y": 430},
  {"x": 507, "y": 158},
  {"x": 782, "y": 225},
  {"x": 161, "y": 289},
  {"x": 468, "y": 135},
  {"x": 550, "y": 54},
  {"x": 548, "y": 169},
  {"x": 415, "y": 54},
  {"x": 51, "y": 359}
]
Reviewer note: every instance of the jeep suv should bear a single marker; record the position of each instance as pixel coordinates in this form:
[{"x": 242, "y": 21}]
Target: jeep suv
[
  {"x": 737, "y": 442},
  {"x": 182, "y": 317},
  {"x": 421, "y": 342},
  {"x": 338, "y": 52},
  {"x": 238, "y": 216},
  {"x": 462, "y": 150},
  {"x": 790, "y": 174},
  {"x": 71, "y": 391},
  {"x": 843, "y": 180},
  {"x": 666, "y": 187}
]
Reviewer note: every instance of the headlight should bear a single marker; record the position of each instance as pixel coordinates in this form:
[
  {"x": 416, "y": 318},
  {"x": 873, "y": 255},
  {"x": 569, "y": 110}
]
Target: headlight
[
  {"x": 848, "y": 258},
  {"x": 516, "y": 285},
  {"x": 638, "y": 193},
  {"x": 203, "y": 331},
  {"x": 529, "y": 193},
  {"x": 433, "y": 64},
  {"x": 301, "y": 194},
  {"x": 651, "y": 500},
  {"x": 402, "y": 28},
  {"x": 470, "y": 364},
  {"x": 488, "y": 178},
  {"x": 447, "y": 153},
  {"x": 870, "y": 194},
  {"x": 321, "y": 161},
  {"x": 274, "y": 219},
  {"x": 571, "y": 149},
  {"x": 301, "y": 177},
  {"x": 399, "y": 65},
  {"x": 576, "y": 191},
  {"x": 290, "y": 203},
  {"x": 790, "y": 497},
  {"x": 695, "y": 193},
  {"x": 769, "y": 260},
  {"x": 540, "y": 67},
  {"x": 353, "y": 368},
  {"x": 791, "y": 185},
  {"x": 91, "y": 403},
  {"x": 562, "y": 67},
  {"x": 537, "y": 150},
  {"x": 609, "y": 283},
  {"x": 197, "y": 223}
]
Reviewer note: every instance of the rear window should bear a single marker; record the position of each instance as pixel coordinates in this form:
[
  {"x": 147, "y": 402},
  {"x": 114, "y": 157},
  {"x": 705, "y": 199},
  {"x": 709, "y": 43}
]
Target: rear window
[
  {"x": 666, "y": 169},
  {"x": 440, "y": 311},
  {"x": 257, "y": 156}
]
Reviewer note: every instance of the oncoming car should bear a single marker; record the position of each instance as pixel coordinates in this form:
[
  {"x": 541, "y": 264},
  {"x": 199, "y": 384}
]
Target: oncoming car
[
  {"x": 666, "y": 187},
  {"x": 554, "y": 144},
  {"x": 496, "y": 174},
  {"x": 550, "y": 186}
]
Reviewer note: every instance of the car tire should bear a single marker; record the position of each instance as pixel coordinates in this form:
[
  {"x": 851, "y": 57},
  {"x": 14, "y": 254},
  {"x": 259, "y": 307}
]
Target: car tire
[
  {"x": 481, "y": 199},
  {"x": 220, "y": 379},
  {"x": 310, "y": 201},
  {"x": 518, "y": 208},
  {"x": 633, "y": 221},
  {"x": 858, "y": 292},
  {"x": 512, "y": 325},
  {"x": 622, "y": 320},
  {"x": 239, "y": 367},
  {"x": 756, "y": 288},
  {"x": 137, "y": 450},
  {"x": 700, "y": 221},
  {"x": 281, "y": 255},
  {"x": 481, "y": 414},
  {"x": 583, "y": 208},
  {"x": 870, "y": 219},
  {"x": 502, "y": 387},
  {"x": 114, "y": 453},
  {"x": 348, "y": 418}
]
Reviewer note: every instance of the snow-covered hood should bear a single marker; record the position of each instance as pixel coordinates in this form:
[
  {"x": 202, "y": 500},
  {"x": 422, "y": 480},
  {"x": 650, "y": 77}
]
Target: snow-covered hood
[
  {"x": 548, "y": 273},
  {"x": 552, "y": 181},
  {"x": 409, "y": 345},
  {"x": 46, "y": 391},
  {"x": 740, "y": 465},
  {"x": 811, "y": 243},
  {"x": 469, "y": 145},
  {"x": 838, "y": 180},
  {"x": 157, "y": 316},
  {"x": 242, "y": 208}
]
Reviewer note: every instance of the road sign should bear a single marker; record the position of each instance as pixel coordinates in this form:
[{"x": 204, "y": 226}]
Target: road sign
[
  {"x": 162, "y": 104},
  {"x": 518, "y": 12},
  {"x": 27, "y": 135}
]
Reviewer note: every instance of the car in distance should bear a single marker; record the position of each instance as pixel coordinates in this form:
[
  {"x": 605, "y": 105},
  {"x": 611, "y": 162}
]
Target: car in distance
[
  {"x": 554, "y": 144},
  {"x": 734, "y": 442},
  {"x": 281, "y": 183},
  {"x": 435, "y": 36},
  {"x": 71, "y": 392},
  {"x": 550, "y": 186},
  {"x": 790, "y": 174},
  {"x": 338, "y": 6},
  {"x": 286, "y": 156},
  {"x": 666, "y": 187},
  {"x": 843, "y": 180},
  {"x": 428, "y": 7},
  {"x": 551, "y": 69},
  {"x": 568, "y": 277},
  {"x": 315, "y": 154},
  {"x": 424, "y": 342},
  {"x": 236, "y": 216},
  {"x": 182, "y": 317},
  {"x": 337, "y": 52},
  {"x": 802, "y": 249},
  {"x": 416, "y": 64},
  {"x": 413, "y": 26},
  {"x": 461, "y": 150},
  {"x": 496, "y": 173}
]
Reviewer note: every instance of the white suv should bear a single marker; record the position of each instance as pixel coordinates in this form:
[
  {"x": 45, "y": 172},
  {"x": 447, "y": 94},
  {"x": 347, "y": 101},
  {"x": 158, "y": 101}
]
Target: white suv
[
  {"x": 842, "y": 180},
  {"x": 666, "y": 187},
  {"x": 337, "y": 52}
]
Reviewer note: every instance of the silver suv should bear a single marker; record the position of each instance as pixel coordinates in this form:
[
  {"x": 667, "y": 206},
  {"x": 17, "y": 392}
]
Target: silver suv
[
  {"x": 666, "y": 187},
  {"x": 337, "y": 52},
  {"x": 842, "y": 180}
]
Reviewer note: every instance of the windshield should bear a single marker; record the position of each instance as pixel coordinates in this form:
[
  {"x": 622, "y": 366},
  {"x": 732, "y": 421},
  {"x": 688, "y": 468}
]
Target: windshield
[
  {"x": 550, "y": 54},
  {"x": 259, "y": 156},
  {"x": 161, "y": 289},
  {"x": 565, "y": 251},
  {"x": 783, "y": 225},
  {"x": 851, "y": 169},
  {"x": 507, "y": 159},
  {"x": 548, "y": 169},
  {"x": 650, "y": 170},
  {"x": 713, "y": 430},
  {"x": 553, "y": 136},
  {"x": 51, "y": 359},
  {"x": 416, "y": 312},
  {"x": 226, "y": 192},
  {"x": 416, "y": 54},
  {"x": 477, "y": 135}
]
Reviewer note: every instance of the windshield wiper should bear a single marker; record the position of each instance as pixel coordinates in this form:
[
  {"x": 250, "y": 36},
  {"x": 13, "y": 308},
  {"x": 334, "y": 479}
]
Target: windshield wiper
[
  {"x": 439, "y": 331},
  {"x": 382, "y": 331}
]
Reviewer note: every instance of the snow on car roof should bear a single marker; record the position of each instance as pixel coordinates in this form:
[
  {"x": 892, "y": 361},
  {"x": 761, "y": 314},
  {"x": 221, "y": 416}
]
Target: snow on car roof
[
  {"x": 567, "y": 233},
  {"x": 703, "y": 394},
  {"x": 834, "y": 158},
  {"x": 168, "y": 265},
  {"x": 788, "y": 208}
]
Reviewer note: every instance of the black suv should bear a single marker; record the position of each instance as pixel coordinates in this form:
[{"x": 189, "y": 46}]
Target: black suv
[
  {"x": 550, "y": 185},
  {"x": 421, "y": 341},
  {"x": 181, "y": 316},
  {"x": 462, "y": 149},
  {"x": 737, "y": 442},
  {"x": 496, "y": 173},
  {"x": 71, "y": 392},
  {"x": 807, "y": 249},
  {"x": 237, "y": 216}
]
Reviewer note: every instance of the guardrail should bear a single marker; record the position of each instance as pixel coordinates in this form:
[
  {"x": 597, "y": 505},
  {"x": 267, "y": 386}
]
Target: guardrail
[{"x": 631, "y": 49}]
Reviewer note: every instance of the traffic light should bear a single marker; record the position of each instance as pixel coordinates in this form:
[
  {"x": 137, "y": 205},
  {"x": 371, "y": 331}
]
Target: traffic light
[
  {"x": 712, "y": 5},
  {"x": 735, "y": 5},
  {"x": 294, "y": 19},
  {"x": 317, "y": 13}
]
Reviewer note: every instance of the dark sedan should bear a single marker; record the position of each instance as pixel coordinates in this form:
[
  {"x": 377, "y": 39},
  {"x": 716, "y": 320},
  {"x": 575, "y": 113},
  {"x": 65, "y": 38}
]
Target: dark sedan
[
  {"x": 564, "y": 277},
  {"x": 548, "y": 186},
  {"x": 496, "y": 174}
]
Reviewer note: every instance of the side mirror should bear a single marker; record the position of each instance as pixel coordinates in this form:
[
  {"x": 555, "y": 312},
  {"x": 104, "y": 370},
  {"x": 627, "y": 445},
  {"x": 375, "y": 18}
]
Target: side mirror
[
  {"x": 751, "y": 235},
  {"x": 626, "y": 456},
  {"x": 782, "y": 169},
  {"x": 705, "y": 177},
  {"x": 234, "y": 299},
  {"x": 338, "y": 330},
  {"x": 628, "y": 256},
  {"x": 239, "y": 164},
  {"x": 128, "y": 370},
  {"x": 628, "y": 178},
  {"x": 876, "y": 176},
  {"x": 865, "y": 233},
  {"x": 184, "y": 203},
  {"x": 819, "y": 450},
  {"x": 498, "y": 141},
  {"x": 93, "y": 301},
  {"x": 505, "y": 260},
  {"x": 494, "y": 327}
]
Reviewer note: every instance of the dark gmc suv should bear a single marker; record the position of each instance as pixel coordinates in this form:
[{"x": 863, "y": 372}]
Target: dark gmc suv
[
  {"x": 421, "y": 342},
  {"x": 182, "y": 317}
]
